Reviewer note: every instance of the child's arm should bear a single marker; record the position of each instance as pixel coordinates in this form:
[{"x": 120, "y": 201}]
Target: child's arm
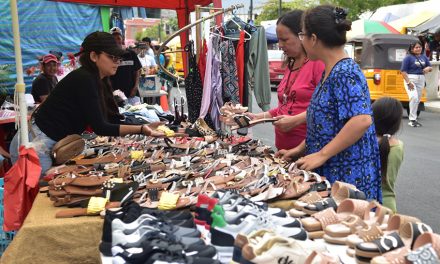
[{"x": 352, "y": 131}]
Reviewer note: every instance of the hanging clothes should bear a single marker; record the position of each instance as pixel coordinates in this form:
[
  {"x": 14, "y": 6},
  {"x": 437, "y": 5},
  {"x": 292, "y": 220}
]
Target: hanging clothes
[
  {"x": 229, "y": 72},
  {"x": 240, "y": 65},
  {"x": 193, "y": 86},
  {"x": 217, "y": 87},
  {"x": 258, "y": 70},
  {"x": 202, "y": 61},
  {"x": 207, "y": 84}
]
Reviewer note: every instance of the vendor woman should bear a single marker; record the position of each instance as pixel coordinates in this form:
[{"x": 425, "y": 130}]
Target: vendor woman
[{"x": 83, "y": 98}]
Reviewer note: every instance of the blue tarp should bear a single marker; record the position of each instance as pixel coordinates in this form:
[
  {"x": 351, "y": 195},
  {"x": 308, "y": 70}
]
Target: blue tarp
[
  {"x": 271, "y": 34},
  {"x": 44, "y": 26}
]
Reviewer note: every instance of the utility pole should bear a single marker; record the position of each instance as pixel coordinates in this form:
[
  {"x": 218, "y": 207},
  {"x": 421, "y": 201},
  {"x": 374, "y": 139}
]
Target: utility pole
[
  {"x": 251, "y": 8},
  {"x": 280, "y": 7}
]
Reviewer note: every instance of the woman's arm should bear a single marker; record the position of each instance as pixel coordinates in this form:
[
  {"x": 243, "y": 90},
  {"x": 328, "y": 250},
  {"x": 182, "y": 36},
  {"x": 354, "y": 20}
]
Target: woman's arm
[
  {"x": 407, "y": 81},
  {"x": 286, "y": 123},
  {"x": 352, "y": 131},
  {"x": 292, "y": 154},
  {"x": 143, "y": 129}
]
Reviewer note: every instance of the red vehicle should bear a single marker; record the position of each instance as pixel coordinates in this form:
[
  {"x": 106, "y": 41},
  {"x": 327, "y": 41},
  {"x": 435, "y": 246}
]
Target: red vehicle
[{"x": 276, "y": 69}]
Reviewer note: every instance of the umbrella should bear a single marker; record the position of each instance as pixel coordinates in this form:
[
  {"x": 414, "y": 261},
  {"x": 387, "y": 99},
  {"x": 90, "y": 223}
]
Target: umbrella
[
  {"x": 364, "y": 27},
  {"x": 20, "y": 87},
  {"x": 412, "y": 20},
  {"x": 429, "y": 26}
]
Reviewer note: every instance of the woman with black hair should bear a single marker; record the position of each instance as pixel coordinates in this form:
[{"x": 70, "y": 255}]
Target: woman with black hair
[
  {"x": 387, "y": 113},
  {"x": 83, "y": 98},
  {"x": 341, "y": 140},
  {"x": 414, "y": 67},
  {"x": 296, "y": 88}
]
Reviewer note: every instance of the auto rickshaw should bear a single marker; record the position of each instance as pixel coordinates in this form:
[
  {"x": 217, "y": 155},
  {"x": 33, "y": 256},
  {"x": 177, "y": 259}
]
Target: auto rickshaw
[{"x": 380, "y": 57}]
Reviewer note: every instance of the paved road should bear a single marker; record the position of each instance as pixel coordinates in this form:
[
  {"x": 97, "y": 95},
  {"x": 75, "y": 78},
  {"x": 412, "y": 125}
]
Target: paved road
[{"x": 418, "y": 182}]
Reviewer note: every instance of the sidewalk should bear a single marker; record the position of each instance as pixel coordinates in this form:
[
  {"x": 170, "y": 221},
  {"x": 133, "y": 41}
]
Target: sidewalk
[{"x": 433, "y": 106}]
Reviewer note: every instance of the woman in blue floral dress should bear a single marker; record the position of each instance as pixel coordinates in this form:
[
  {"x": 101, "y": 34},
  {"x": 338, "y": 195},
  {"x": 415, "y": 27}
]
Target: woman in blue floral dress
[{"x": 340, "y": 142}]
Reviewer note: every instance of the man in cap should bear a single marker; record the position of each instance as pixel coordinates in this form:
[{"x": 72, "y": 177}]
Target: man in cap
[
  {"x": 126, "y": 78},
  {"x": 46, "y": 81}
]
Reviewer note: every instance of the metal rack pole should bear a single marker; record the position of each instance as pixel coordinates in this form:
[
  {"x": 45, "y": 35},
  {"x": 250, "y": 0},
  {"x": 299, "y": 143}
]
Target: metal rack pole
[{"x": 162, "y": 47}]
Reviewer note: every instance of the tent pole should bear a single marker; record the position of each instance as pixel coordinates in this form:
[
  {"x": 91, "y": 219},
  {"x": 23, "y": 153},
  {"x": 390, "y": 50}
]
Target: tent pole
[
  {"x": 162, "y": 47},
  {"x": 20, "y": 87}
]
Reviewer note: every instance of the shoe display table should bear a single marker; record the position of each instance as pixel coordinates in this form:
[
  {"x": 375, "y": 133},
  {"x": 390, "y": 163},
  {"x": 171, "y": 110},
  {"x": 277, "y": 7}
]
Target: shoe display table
[{"x": 46, "y": 239}]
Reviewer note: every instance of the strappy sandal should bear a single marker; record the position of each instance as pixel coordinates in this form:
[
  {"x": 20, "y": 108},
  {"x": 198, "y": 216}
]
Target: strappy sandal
[
  {"x": 94, "y": 207},
  {"x": 317, "y": 257},
  {"x": 244, "y": 121},
  {"x": 406, "y": 236},
  {"x": 343, "y": 193},
  {"x": 328, "y": 217},
  {"x": 395, "y": 223},
  {"x": 337, "y": 233}
]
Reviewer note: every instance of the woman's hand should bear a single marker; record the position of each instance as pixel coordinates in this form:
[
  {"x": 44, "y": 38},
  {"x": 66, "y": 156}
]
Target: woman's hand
[
  {"x": 286, "y": 123},
  {"x": 312, "y": 161},
  {"x": 288, "y": 155},
  {"x": 252, "y": 116},
  {"x": 149, "y": 130},
  {"x": 411, "y": 86},
  {"x": 427, "y": 69}
]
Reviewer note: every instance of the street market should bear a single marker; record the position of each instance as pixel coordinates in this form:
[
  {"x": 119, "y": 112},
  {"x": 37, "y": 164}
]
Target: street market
[{"x": 152, "y": 133}]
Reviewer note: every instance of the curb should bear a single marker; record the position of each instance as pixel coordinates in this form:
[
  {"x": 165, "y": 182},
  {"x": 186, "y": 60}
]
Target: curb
[{"x": 433, "y": 106}]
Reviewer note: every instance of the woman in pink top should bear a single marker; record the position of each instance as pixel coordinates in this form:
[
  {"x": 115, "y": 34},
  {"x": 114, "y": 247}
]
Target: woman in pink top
[{"x": 296, "y": 88}]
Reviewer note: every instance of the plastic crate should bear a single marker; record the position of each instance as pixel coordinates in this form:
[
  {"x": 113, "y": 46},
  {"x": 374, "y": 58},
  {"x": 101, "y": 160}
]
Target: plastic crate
[{"x": 5, "y": 237}]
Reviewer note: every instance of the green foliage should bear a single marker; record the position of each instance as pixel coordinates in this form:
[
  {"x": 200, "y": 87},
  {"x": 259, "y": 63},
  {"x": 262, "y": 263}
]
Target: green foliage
[
  {"x": 270, "y": 10},
  {"x": 5, "y": 76},
  {"x": 356, "y": 7},
  {"x": 153, "y": 32}
]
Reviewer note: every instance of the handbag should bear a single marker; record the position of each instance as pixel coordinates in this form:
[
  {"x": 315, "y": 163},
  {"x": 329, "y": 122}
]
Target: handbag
[{"x": 67, "y": 148}]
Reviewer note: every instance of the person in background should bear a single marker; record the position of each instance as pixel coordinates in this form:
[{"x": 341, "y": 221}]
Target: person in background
[
  {"x": 46, "y": 80},
  {"x": 387, "y": 114},
  {"x": 148, "y": 63},
  {"x": 434, "y": 44},
  {"x": 83, "y": 98},
  {"x": 127, "y": 76},
  {"x": 341, "y": 140},
  {"x": 147, "y": 42},
  {"x": 296, "y": 88},
  {"x": 414, "y": 67}
]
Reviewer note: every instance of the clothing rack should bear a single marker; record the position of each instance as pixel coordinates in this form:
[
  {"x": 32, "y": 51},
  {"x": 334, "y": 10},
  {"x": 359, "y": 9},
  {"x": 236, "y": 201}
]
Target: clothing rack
[{"x": 185, "y": 28}]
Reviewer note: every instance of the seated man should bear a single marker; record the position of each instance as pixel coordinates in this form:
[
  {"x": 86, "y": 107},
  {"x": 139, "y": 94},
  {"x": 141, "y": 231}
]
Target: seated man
[{"x": 46, "y": 81}]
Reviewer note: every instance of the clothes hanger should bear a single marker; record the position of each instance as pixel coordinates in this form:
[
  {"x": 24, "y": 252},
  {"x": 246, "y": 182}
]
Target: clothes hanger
[
  {"x": 235, "y": 24},
  {"x": 249, "y": 36}
]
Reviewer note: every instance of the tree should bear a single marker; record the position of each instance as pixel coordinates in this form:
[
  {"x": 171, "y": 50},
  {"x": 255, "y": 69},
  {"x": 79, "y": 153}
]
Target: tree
[
  {"x": 270, "y": 10},
  {"x": 356, "y": 7},
  {"x": 153, "y": 31}
]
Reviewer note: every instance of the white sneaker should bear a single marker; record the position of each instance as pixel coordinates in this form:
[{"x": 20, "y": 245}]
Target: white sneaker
[{"x": 281, "y": 250}]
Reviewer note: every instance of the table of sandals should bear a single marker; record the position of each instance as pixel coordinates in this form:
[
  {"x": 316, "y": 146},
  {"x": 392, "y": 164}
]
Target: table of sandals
[{"x": 229, "y": 176}]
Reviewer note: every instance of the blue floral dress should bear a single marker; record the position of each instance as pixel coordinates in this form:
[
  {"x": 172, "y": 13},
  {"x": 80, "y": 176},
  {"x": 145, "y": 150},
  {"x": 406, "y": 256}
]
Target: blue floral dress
[{"x": 343, "y": 95}]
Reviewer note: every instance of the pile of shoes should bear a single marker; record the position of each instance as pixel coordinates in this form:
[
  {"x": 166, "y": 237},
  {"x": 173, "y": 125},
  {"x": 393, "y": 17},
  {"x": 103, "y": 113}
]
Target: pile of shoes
[{"x": 133, "y": 234}]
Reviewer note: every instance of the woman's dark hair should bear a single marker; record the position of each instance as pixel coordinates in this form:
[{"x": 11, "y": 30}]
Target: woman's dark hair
[
  {"x": 328, "y": 23},
  {"x": 411, "y": 47},
  {"x": 292, "y": 21},
  {"x": 387, "y": 114},
  {"x": 108, "y": 104}
]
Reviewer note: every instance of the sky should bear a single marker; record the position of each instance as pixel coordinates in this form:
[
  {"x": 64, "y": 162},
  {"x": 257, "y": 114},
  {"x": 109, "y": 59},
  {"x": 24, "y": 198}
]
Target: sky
[{"x": 245, "y": 10}]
